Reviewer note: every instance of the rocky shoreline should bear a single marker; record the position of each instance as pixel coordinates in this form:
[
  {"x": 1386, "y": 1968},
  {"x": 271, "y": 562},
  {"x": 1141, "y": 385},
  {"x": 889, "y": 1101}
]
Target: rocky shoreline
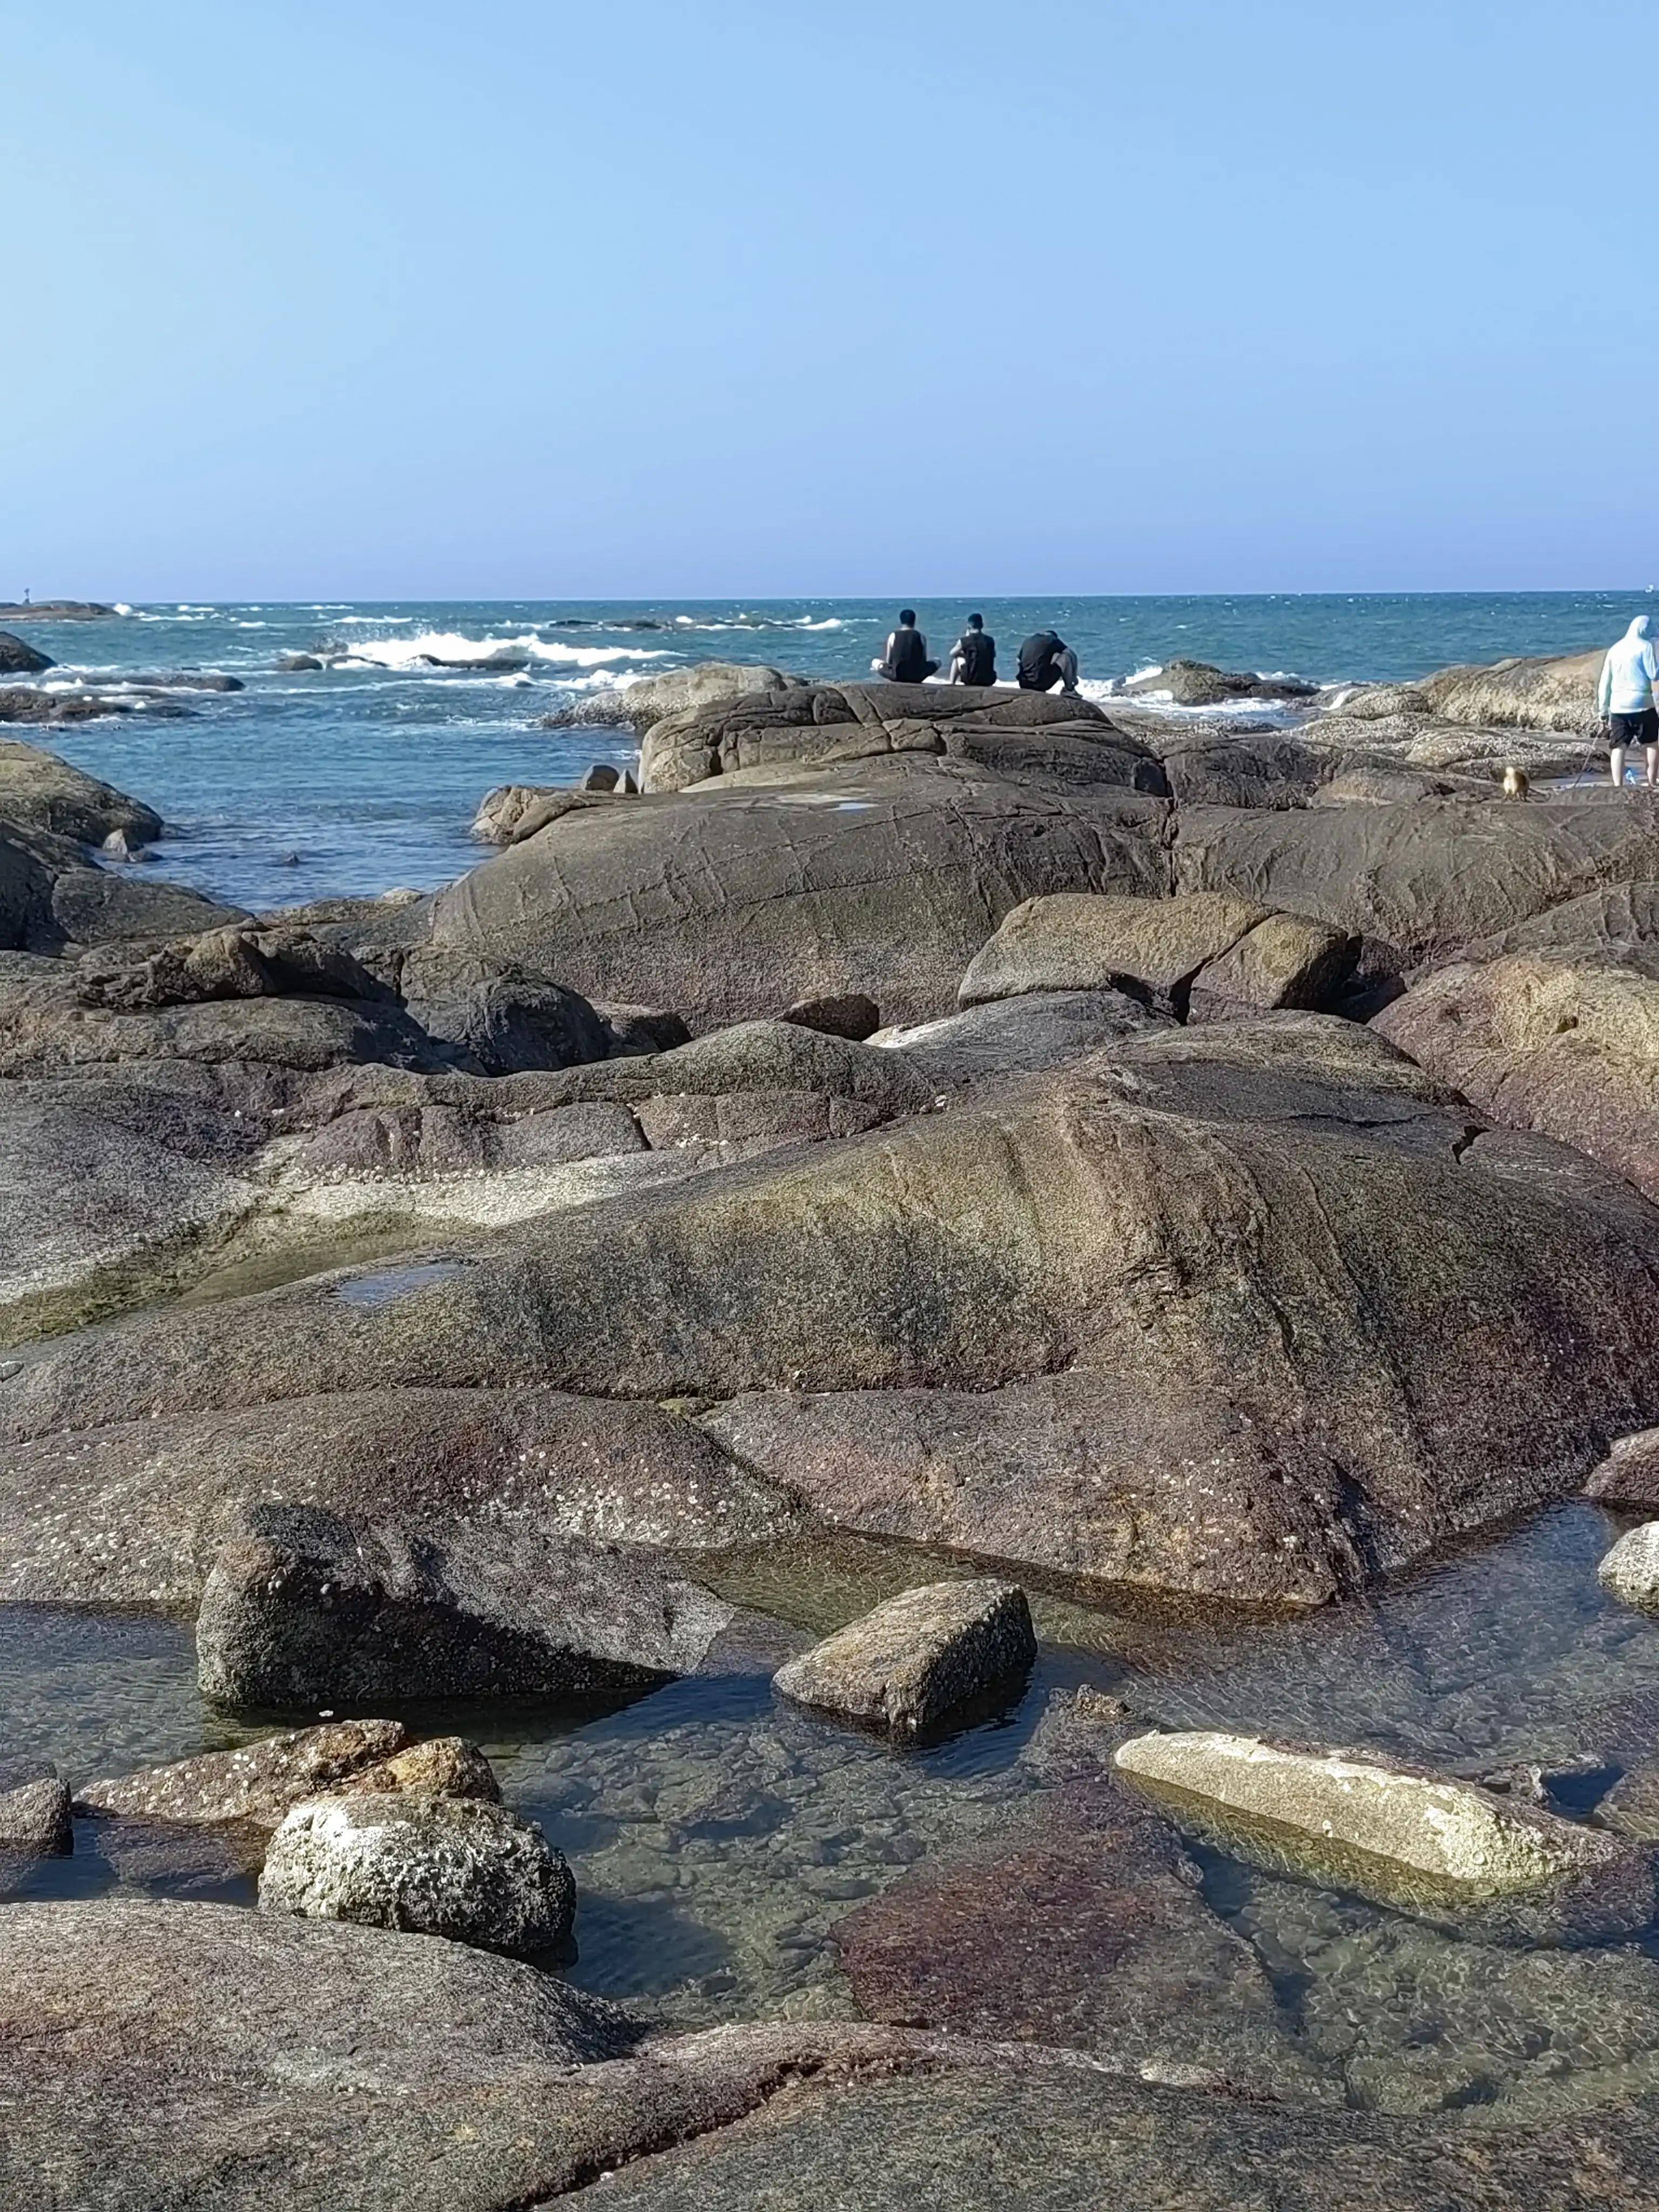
[{"x": 1169, "y": 1165}]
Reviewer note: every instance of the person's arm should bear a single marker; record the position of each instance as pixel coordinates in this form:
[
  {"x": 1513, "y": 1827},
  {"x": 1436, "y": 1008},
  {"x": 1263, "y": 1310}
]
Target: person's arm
[{"x": 1604, "y": 689}]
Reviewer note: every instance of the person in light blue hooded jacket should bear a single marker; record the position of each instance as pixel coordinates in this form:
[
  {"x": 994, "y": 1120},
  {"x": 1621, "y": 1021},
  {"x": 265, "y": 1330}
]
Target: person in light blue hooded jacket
[{"x": 1626, "y": 699}]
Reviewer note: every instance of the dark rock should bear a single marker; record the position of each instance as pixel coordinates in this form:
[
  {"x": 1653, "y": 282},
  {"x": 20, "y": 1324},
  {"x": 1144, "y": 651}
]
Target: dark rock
[
  {"x": 18, "y": 703},
  {"x": 308, "y": 1609},
  {"x": 1196, "y": 683},
  {"x": 297, "y": 664},
  {"x": 259, "y": 1783},
  {"x": 506, "y": 1021},
  {"x": 17, "y": 659},
  {"x": 425, "y": 1865},
  {"x": 1269, "y": 770},
  {"x": 854, "y": 1015},
  {"x": 1020, "y": 1036},
  {"x": 239, "y": 962},
  {"x": 56, "y": 610},
  {"x": 631, "y": 1031},
  {"x": 34, "y": 1820},
  {"x": 39, "y": 792},
  {"x": 602, "y": 776},
  {"x": 907, "y": 1665}
]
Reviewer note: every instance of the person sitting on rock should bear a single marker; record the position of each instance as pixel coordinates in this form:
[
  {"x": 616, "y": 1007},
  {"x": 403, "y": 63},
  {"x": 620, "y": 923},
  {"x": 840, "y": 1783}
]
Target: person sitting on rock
[
  {"x": 1626, "y": 699},
  {"x": 974, "y": 660},
  {"x": 905, "y": 660},
  {"x": 1046, "y": 660}
]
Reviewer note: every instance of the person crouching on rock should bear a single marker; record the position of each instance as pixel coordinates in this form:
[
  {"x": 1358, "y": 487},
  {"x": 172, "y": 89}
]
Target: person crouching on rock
[
  {"x": 1624, "y": 699},
  {"x": 905, "y": 661},
  {"x": 1046, "y": 660},
  {"x": 975, "y": 658}
]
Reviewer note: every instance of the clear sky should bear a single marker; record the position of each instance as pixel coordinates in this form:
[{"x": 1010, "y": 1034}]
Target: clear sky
[{"x": 362, "y": 300}]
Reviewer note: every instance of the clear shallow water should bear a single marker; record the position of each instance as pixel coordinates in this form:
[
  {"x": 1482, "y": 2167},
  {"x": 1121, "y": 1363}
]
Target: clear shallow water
[
  {"x": 718, "y": 1837},
  {"x": 371, "y": 772}
]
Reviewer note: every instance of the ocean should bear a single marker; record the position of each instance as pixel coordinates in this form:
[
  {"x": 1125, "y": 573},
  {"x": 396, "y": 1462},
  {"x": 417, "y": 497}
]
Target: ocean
[{"x": 367, "y": 775}]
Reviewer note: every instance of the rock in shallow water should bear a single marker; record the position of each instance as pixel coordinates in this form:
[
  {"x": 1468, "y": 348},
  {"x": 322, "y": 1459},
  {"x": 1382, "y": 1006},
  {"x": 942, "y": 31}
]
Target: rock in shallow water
[
  {"x": 1631, "y": 1569},
  {"x": 908, "y": 1664},
  {"x": 308, "y": 1609},
  {"x": 1420, "y": 1842},
  {"x": 427, "y": 1865},
  {"x": 259, "y": 1783},
  {"x": 34, "y": 1820}
]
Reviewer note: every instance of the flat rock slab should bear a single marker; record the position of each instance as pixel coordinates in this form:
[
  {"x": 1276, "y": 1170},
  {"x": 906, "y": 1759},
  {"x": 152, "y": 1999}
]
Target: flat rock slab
[
  {"x": 427, "y": 1865},
  {"x": 906, "y": 1665},
  {"x": 307, "y": 1608},
  {"x": 1631, "y": 1569},
  {"x": 1424, "y": 1843},
  {"x": 1086, "y": 1929},
  {"x": 1072, "y": 941},
  {"x": 259, "y": 1783}
]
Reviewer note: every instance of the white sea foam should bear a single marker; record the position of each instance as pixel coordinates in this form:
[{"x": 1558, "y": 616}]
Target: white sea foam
[
  {"x": 448, "y": 648},
  {"x": 1145, "y": 675},
  {"x": 121, "y": 610}
]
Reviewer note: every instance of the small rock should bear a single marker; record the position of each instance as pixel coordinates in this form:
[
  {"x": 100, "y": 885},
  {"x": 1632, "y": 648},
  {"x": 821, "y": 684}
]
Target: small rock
[
  {"x": 297, "y": 664},
  {"x": 442, "y": 1766},
  {"x": 1631, "y": 1569},
  {"x": 851, "y": 1015},
  {"x": 260, "y": 1782},
  {"x": 636, "y": 1029},
  {"x": 429, "y": 1866},
  {"x": 910, "y": 1662},
  {"x": 600, "y": 777},
  {"x": 1415, "y": 1841},
  {"x": 288, "y": 859},
  {"x": 1629, "y": 1475},
  {"x": 34, "y": 1820}
]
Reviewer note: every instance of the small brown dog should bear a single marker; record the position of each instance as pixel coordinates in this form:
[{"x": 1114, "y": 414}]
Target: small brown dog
[{"x": 1515, "y": 785}]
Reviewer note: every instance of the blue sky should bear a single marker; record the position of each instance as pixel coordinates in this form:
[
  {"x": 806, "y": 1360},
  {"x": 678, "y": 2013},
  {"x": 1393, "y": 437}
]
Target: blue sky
[{"x": 364, "y": 301}]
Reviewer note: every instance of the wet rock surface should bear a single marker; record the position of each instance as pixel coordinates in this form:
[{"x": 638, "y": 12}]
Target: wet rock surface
[{"x": 258, "y": 1781}]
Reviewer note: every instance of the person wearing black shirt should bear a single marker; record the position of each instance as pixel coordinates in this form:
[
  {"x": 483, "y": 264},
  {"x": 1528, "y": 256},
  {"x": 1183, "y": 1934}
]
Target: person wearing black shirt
[
  {"x": 905, "y": 660},
  {"x": 974, "y": 659},
  {"x": 1045, "y": 661}
]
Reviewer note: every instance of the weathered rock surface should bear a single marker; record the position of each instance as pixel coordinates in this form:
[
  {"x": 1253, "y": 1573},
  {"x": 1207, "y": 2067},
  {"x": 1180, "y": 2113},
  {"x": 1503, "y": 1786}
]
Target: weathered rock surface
[
  {"x": 425, "y": 1865},
  {"x": 137, "y": 1513},
  {"x": 1245, "y": 768},
  {"x": 1631, "y": 1569},
  {"x": 506, "y": 1022},
  {"x": 34, "y": 1820},
  {"x": 513, "y": 812},
  {"x": 1248, "y": 1309},
  {"x": 1556, "y": 1041},
  {"x": 907, "y": 1665},
  {"x": 308, "y": 1609},
  {"x": 1420, "y": 1842},
  {"x": 1019, "y": 1036},
  {"x": 1539, "y": 693},
  {"x": 440, "y": 1766},
  {"x": 677, "y": 691},
  {"x": 883, "y": 879},
  {"x": 260, "y": 1782},
  {"x": 39, "y": 792},
  {"x": 1196, "y": 683},
  {"x": 855, "y": 1016},
  {"x": 1284, "y": 962},
  {"x": 1419, "y": 881},
  {"x": 51, "y": 896},
  {"x": 1629, "y": 1475}
]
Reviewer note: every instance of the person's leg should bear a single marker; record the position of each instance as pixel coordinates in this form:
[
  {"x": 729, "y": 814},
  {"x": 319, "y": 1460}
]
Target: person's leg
[
  {"x": 1067, "y": 666},
  {"x": 1616, "y": 765},
  {"x": 1653, "y": 765}
]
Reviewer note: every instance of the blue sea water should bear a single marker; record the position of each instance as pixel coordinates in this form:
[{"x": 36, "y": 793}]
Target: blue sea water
[{"x": 371, "y": 770}]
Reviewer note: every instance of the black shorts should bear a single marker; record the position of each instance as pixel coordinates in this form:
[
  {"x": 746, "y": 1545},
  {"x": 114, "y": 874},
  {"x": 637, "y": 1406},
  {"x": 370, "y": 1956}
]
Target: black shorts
[{"x": 1641, "y": 729}]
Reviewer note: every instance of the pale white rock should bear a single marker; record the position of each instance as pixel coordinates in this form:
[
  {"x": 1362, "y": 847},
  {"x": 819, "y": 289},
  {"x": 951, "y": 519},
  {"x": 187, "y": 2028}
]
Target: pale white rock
[{"x": 1631, "y": 1569}]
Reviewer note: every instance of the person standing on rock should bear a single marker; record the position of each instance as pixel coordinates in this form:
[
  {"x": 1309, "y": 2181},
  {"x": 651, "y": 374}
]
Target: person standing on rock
[
  {"x": 975, "y": 659},
  {"x": 1046, "y": 660},
  {"x": 905, "y": 660},
  {"x": 1626, "y": 699}
]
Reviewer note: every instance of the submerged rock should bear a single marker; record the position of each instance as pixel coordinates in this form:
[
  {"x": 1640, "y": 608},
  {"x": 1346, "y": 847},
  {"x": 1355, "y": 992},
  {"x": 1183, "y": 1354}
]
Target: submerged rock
[
  {"x": 1420, "y": 1842},
  {"x": 259, "y": 1782},
  {"x": 34, "y": 1820},
  {"x": 1631, "y": 1569},
  {"x": 906, "y": 1665},
  {"x": 309, "y": 1609},
  {"x": 423, "y": 1864}
]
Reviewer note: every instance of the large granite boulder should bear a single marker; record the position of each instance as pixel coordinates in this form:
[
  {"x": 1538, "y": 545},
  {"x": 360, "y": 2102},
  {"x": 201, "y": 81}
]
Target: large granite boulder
[
  {"x": 53, "y": 896},
  {"x": 913, "y": 1661},
  {"x": 650, "y": 699},
  {"x": 1544, "y": 692},
  {"x": 308, "y": 1609},
  {"x": 39, "y": 791},
  {"x": 731, "y": 903},
  {"x": 136, "y": 1513},
  {"x": 1559, "y": 1042},
  {"x": 505, "y": 1022},
  {"x": 1419, "y": 1842},
  {"x": 1419, "y": 881},
  {"x": 1251, "y": 1310},
  {"x": 425, "y": 1864}
]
